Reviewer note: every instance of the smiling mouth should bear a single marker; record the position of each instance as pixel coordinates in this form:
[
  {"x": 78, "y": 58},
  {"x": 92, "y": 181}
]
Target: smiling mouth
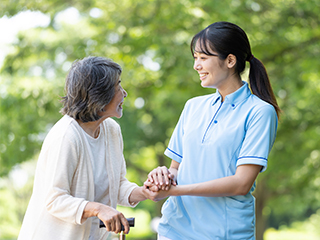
[
  {"x": 203, "y": 75},
  {"x": 120, "y": 105}
]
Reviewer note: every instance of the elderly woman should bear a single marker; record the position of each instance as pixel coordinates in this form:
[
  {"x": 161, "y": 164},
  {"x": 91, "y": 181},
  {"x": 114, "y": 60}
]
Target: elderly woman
[{"x": 80, "y": 174}]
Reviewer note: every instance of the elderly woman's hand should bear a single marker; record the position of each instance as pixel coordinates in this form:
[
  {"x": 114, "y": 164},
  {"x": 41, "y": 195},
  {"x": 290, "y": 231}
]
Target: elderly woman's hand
[
  {"x": 154, "y": 193},
  {"x": 112, "y": 219}
]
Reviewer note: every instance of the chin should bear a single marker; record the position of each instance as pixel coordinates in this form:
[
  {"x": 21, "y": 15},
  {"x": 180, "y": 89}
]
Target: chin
[
  {"x": 119, "y": 115},
  {"x": 203, "y": 84}
]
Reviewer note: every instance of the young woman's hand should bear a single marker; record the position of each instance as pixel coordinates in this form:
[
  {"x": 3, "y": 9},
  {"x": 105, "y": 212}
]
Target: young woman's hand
[{"x": 162, "y": 178}]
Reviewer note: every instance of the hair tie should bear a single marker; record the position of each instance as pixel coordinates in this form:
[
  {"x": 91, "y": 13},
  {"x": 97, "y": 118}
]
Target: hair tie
[{"x": 250, "y": 58}]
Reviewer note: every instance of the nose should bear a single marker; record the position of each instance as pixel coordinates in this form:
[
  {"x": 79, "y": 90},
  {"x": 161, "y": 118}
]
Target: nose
[
  {"x": 125, "y": 94},
  {"x": 197, "y": 66}
]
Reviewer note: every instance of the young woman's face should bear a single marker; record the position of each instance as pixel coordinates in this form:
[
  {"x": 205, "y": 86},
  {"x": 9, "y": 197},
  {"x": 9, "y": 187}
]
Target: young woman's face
[
  {"x": 114, "y": 108},
  {"x": 211, "y": 69}
]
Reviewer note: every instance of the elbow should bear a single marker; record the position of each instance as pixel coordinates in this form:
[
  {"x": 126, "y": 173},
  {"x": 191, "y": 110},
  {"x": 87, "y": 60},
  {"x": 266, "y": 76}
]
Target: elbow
[
  {"x": 242, "y": 190},
  {"x": 243, "y": 193}
]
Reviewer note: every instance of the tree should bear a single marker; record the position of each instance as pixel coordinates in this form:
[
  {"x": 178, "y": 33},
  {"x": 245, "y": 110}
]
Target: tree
[{"x": 150, "y": 40}]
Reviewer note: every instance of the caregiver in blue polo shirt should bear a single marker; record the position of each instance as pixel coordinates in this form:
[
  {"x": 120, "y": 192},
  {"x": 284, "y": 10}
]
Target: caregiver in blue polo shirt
[{"x": 220, "y": 144}]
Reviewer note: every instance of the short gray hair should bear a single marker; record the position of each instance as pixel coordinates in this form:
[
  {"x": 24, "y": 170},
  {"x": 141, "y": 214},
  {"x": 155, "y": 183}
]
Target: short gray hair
[{"x": 90, "y": 86}]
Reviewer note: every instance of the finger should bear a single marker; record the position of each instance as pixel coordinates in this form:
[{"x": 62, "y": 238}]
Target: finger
[
  {"x": 154, "y": 188},
  {"x": 151, "y": 186},
  {"x": 161, "y": 181},
  {"x": 166, "y": 175},
  {"x": 107, "y": 224},
  {"x": 118, "y": 225},
  {"x": 112, "y": 225},
  {"x": 155, "y": 178},
  {"x": 161, "y": 172},
  {"x": 150, "y": 176},
  {"x": 173, "y": 182},
  {"x": 172, "y": 179},
  {"x": 150, "y": 179},
  {"x": 147, "y": 184},
  {"x": 125, "y": 224},
  {"x": 167, "y": 180}
]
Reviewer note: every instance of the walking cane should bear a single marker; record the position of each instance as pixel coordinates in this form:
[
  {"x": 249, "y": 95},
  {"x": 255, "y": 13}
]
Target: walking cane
[{"x": 122, "y": 235}]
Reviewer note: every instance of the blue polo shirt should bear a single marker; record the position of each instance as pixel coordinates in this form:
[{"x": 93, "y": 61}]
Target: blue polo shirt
[{"x": 210, "y": 140}]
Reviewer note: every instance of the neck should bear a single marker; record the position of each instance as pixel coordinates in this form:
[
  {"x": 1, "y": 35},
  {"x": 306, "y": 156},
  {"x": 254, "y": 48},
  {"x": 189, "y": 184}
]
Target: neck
[
  {"x": 91, "y": 128},
  {"x": 230, "y": 87}
]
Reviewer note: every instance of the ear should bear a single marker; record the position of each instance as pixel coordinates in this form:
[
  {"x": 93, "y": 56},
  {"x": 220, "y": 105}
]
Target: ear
[{"x": 231, "y": 60}]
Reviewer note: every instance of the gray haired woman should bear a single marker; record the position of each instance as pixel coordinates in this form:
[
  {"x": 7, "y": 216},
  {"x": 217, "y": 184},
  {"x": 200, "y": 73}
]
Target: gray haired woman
[{"x": 80, "y": 174}]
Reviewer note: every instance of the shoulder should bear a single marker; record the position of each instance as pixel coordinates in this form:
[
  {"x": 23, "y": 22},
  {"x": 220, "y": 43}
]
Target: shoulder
[
  {"x": 111, "y": 128},
  {"x": 110, "y": 123},
  {"x": 203, "y": 98},
  {"x": 260, "y": 109},
  {"x": 65, "y": 131},
  {"x": 261, "y": 106}
]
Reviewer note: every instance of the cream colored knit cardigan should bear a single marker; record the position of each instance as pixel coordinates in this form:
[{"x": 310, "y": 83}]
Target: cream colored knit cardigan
[{"x": 64, "y": 183}]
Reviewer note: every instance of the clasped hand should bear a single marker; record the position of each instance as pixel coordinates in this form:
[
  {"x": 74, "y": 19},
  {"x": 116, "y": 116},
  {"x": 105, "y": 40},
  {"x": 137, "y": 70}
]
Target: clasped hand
[{"x": 159, "y": 182}]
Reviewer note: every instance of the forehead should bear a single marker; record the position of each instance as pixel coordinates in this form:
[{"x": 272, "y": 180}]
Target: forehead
[{"x": 203, "y": 46}]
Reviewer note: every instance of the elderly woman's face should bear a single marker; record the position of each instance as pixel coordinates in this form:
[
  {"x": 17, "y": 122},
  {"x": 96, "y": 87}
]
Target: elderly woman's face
[{"x": 114, "y": 108}]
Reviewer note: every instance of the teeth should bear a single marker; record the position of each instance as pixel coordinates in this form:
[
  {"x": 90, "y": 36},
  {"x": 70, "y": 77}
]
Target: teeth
[{"x": 202, "y": 74}]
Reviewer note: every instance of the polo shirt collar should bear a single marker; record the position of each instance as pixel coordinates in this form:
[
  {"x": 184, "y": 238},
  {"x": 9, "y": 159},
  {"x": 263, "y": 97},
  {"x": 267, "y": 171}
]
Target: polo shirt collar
[{"x": 236, "y": 97}]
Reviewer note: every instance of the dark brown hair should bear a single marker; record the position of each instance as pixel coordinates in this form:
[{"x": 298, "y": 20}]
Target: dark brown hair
[{"x": 227, "y": 38}]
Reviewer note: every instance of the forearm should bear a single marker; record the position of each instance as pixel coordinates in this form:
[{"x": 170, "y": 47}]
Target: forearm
[
  {"x": 222, "y": 187},
  {"x": 238, "y": 184},
  {"x": 91, "y": 210},
  {"x": 137, "y": 195}
]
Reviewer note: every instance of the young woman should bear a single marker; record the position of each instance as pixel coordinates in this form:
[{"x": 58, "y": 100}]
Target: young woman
[
  {"x": 220, "y": 143},
  {"x": 80, "y": 174}
]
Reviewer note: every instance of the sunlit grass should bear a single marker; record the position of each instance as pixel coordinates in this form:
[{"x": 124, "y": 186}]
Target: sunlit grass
[
  {"x": 289, "y": 234},
  {"x": 307, "y": 230}
]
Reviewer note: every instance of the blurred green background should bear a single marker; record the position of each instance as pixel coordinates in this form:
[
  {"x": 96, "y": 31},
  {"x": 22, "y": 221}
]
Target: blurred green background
[{"x": 150, "y": 40}]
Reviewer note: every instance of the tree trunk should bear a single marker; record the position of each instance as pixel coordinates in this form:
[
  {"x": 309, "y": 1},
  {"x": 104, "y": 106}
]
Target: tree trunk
[{"x": 261, "y": 197}]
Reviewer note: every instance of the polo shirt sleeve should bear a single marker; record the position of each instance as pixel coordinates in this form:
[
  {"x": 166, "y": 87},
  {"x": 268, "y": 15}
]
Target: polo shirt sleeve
[
  {"x": 175, "y": 147},
  {"x": 259, "y": 138}
]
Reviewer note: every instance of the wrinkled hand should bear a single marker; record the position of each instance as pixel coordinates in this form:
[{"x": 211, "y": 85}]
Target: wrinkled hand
[
  {"x": 162, "y": 178},
  {"x": 113, "y": 219},
  {"x": 153, "y": 192}
]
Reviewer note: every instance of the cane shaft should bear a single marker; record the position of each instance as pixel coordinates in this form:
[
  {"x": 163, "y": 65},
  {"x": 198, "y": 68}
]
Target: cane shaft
[{"x": 122, "y": 236}]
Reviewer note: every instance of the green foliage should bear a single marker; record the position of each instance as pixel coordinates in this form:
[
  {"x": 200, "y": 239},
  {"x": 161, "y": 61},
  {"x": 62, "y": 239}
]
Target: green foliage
[
  {"x": 14, "y": 197},
  {"x": 150, "y": 40}
]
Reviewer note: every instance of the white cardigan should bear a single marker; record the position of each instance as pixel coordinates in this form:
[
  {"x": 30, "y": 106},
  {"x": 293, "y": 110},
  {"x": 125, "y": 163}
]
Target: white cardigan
[{"x": 64, "y": 182}]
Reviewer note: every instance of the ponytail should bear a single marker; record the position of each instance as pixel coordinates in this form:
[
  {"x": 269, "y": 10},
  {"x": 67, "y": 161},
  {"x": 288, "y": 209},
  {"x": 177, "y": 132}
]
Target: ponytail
[{"x": 260, "y": 84}]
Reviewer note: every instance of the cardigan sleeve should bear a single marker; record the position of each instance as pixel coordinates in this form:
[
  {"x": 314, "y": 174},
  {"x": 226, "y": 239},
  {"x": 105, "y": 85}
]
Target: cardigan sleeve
[
  {"x": 126, "y": 187},
  {"x": 64, "y": 159}
]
